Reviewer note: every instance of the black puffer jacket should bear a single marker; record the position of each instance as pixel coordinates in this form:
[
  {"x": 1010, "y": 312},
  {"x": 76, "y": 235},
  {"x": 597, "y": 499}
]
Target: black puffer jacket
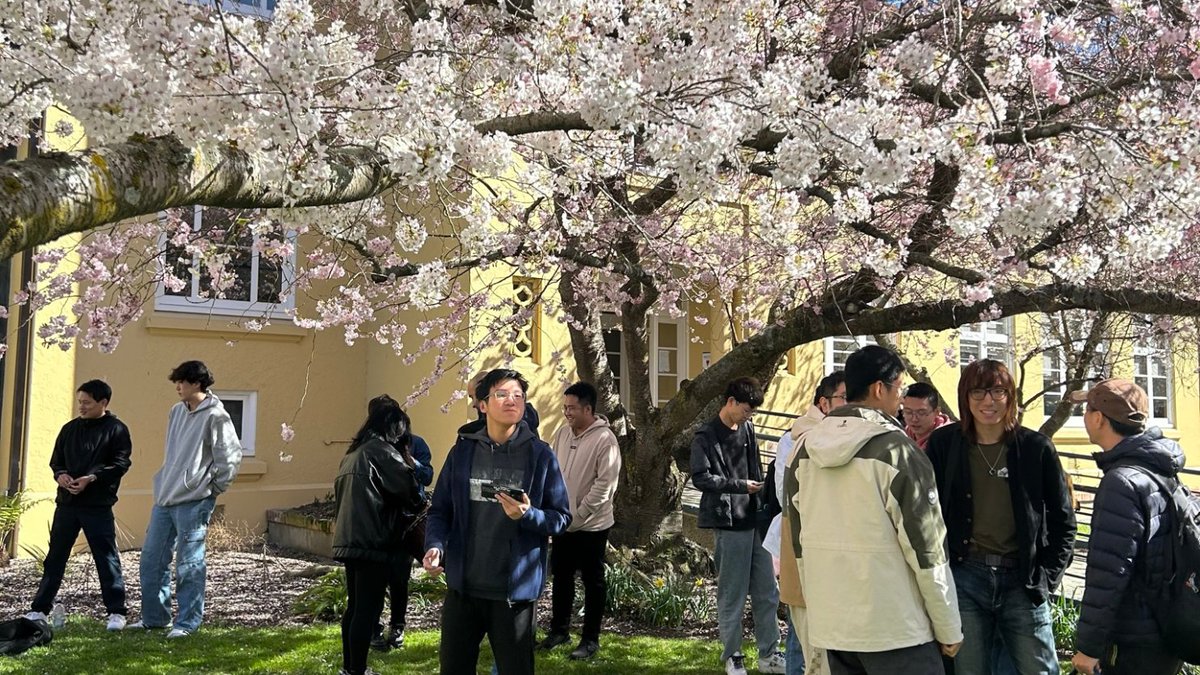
[
  {"x": 99, "y": 447},
  {"x": 1127, "y": 548},
  {"x": 1042, "y": 509},
  {"x": 374, "y": 487}
]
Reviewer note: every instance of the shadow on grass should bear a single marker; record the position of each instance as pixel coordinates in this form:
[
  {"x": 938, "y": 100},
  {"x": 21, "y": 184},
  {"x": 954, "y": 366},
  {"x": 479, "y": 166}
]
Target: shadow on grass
[{"x": 85, "y": 647}]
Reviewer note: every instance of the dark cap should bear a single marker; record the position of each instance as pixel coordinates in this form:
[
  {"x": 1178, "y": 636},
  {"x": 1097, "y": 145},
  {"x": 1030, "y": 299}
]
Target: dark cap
[{"x": 1119, "y": 400}]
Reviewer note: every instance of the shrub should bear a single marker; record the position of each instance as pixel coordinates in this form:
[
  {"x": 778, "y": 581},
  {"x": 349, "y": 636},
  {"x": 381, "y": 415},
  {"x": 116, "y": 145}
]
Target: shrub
[
  {"x": 325, "y": 600},
  {"x": 12, "y": 507},
  {"x": 1064, "y": 617},
  {"x": 666, "y": 601}
]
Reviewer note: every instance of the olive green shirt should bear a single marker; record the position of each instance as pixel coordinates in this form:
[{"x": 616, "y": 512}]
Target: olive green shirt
[{"x": 993, "y": 528}]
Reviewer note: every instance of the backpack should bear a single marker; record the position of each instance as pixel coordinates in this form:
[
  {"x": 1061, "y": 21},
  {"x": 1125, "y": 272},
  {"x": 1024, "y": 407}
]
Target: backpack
[
  {"x": 1176, "y": 606},
  {"x": 18, "y": 635}
]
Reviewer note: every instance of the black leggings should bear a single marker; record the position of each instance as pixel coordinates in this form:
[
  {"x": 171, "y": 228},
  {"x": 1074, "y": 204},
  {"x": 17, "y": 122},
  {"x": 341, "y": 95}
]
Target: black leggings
[{"x": 365, "y": 584}]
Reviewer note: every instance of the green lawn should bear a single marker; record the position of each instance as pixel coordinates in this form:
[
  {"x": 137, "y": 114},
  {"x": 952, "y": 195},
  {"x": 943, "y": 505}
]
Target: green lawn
[{"x": 85, "y": 647}]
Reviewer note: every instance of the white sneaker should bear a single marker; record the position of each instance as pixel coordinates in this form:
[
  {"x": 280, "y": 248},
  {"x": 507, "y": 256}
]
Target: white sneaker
[
  {"x": 140, "y": 625},
  {"x": 36, "y": 616},
  {"x": 116, "y": 622},
  {"x": 775, "y": 663},
  {"x": 735, "y": 665},
  {"x": 178, "y": 633}
]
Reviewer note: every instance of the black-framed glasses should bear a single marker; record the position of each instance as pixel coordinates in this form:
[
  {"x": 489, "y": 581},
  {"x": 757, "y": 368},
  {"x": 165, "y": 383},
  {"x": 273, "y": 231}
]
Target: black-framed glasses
[{"x": 997, "y": 394}]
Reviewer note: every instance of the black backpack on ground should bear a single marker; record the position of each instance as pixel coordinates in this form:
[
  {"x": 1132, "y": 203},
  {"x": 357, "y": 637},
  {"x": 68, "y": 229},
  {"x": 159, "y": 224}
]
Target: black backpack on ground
[
  {"x": 18, "y": 635},
  {"x": 1176, "y": 606}
]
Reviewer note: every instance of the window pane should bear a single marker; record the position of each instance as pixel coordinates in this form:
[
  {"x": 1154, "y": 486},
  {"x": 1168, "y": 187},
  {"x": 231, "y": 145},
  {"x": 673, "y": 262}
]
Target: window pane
[
  {"x": 668, "y": 335},
  {"x": 235, "y": 408},
  {"x": 967, "y": 353},
  {"x": 231, "y": 238},
  {"x": 668, "y": 386}
]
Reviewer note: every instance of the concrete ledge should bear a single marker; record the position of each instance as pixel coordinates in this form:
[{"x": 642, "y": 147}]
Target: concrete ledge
[{"x": 298, "y": 531}]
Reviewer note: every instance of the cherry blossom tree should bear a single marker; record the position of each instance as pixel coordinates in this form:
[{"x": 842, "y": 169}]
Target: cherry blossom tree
[{"x": 816, "y": 168}]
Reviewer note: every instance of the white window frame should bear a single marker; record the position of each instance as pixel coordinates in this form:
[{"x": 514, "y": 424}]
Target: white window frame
[
  {"x": 681, "y": 359},
  {"x": 991, "y": 338},
  {"x": 1076, "y": 418},
  {"x": 1147, "y": 380},
  {"x": 193, "y": 303},
  {"x": 609, "y": 321},
  {"x": 249, "y": 429},
  {"x": 837, "y": 350},
  {"x": 262, "y": 9}
]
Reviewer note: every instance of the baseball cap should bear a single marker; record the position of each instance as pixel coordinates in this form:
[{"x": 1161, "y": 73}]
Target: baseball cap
[{"x": 1119, "y": 400}]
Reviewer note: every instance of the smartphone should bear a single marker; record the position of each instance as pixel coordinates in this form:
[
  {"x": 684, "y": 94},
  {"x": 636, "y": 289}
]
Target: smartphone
[{"x": 491, "y": 491}]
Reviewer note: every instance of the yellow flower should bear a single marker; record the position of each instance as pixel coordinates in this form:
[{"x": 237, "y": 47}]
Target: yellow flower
[{"x": 659, "y": 583}]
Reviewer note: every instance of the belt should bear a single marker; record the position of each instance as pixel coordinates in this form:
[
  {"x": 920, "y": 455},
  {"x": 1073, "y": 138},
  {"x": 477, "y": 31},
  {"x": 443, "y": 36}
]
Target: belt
[{"x": 993, "y": 560}]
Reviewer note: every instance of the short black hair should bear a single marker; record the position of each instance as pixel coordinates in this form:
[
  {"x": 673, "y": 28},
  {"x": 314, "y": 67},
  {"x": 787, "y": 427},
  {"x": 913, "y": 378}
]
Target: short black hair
[
  {"x": 745, "y": 390},
  {"x": 385, "y": 420},
  {"x": 495, "y": 377},
  {"x": 829, "y": 386},
  {"x": 926, "y": 391},
  {"x": 193, "y": 371},
  {"x": 1122, "y": 429},
  {"x": 585, "y": 392},
  {"x": 97, "y": 389},
  {"x": 869, "y": 365}
]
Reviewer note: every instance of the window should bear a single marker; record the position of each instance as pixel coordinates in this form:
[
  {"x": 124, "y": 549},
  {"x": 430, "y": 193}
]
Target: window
[
  {"x": 526, "y": 296},
  {"x": 668, "y": 358},
  {"x": 987, "y": 340},
  {"x": 1054, "y": 380},
  {"x": 242, "y": 407},
  {"x": 250, "y": 283},
  {"x": 614, "y": 348},
  {"x": 1152, "y": 372},
  {"x": 263, "y": 9},
  {"x": 838, "y": 348}
]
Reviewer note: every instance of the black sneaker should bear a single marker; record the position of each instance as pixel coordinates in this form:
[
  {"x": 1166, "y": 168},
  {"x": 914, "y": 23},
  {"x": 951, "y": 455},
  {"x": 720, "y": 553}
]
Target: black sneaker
[
  {"x": 586, "y": 650},
  {"x": 380, "y": 641},
  {"x": 396, "y": 638},
  {"x": 553, "y": 640}
]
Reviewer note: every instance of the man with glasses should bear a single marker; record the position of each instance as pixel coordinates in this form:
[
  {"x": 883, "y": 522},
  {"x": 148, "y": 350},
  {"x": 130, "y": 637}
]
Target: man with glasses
[
  {"x": 726, "y": 469},
  {"x": 922, "y": 411},
  {"x": 867, "y": 533},
  {"x": 499, "y": 497}
]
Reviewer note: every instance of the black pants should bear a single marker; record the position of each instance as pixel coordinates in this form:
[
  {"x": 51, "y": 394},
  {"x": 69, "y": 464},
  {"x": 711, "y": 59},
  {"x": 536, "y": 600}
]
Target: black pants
[
  {"x": 101, "y": 531},
  {"x": 1139, "y": 659},
  {"x": 923, "y": 659},
  {"x": 365, "y": 583},
  {"x": 509, "y": 629},
  {"x": 582, "y": 552},
  {"x": 400, "y": 570}
]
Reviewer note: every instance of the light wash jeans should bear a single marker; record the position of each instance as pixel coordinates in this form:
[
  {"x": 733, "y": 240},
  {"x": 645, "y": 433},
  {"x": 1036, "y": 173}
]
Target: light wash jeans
[
  {"x": 996, "y": 610},
  {"x": 179, "y": 530},
  {"x": 744, "y": 568},
  {"x": 791, "y": 651}
]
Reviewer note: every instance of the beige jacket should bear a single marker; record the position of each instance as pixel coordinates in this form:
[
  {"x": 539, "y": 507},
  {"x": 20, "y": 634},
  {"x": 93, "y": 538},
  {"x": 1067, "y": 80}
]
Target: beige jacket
[
  {"x": 790, "y": 589},
  {"x": 591, "y": 465}
]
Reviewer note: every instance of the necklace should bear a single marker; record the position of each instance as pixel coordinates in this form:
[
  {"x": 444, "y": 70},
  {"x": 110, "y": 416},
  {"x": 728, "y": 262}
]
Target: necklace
[{"x": 993, "y": 466}]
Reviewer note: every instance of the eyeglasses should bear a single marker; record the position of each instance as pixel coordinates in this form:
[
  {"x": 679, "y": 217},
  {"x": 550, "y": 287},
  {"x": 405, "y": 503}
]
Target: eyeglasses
[
  {"x": 997, "y": 393},
  {"x": 918, "y": 414},
  {"x": 504, "y": 395}
]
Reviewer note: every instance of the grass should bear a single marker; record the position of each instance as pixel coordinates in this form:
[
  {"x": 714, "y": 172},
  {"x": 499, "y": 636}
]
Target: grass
[{"x": 85, "y": 647}]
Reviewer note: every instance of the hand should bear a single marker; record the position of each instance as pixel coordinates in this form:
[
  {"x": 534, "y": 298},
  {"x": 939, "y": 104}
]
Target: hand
[
  {"x": 950, "y": 650},
  {"x": 80, "y": 483},
  {"x": 1085, "y": 664},
  {"x": 753, "y": 486},
  {"x": 432, "y": 562},
  {"x": 512, "y": 508},
  {"x": 64, "y": 480}
]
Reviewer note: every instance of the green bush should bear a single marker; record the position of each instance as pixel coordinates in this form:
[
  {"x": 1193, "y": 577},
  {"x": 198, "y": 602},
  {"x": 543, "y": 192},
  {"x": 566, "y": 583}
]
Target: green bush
[
  {"x": 325, "y": 600},
  {"x": 12, "y": 507},
  {"x": 666, "y": 601},
  {"x": 1064, "y": 617}
]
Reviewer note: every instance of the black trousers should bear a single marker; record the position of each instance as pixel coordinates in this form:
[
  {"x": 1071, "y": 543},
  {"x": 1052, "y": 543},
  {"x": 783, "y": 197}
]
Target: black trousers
[
  {"x": 508, "y": 627},
  {"x": 365, "y": 583},
  {"x": 582, "y": 552},
  {"x": 923, "y": 659},
  {"x": 100, "y": 529},
  {"x": 400, "y": 570},
  {"x": 1139, "y": 659}
]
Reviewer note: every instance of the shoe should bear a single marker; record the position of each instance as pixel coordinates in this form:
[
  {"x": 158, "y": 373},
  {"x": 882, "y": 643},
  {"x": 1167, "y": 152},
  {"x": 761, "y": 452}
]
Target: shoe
[
  {"x": 396, "y": 638},
  {"x": 178, "y": 633},
  {"x": 553, "y": 640},
  {"x": 735, "y": 665},
  {"x": 37, "y": 616},
  {"x": 383, "y": 641},
  {"x": 116, "y": 622},
  {"x": 379, "y": 642},
  {"x": 775, "y": 663},
  {"x": 586, "y": 650},
  {"x": 368, "y": 671},
  {"x": 140, "y": 625}
]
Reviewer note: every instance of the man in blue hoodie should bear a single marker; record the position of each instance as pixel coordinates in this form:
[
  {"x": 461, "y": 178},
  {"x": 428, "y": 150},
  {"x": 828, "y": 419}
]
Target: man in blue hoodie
[
  {"x": 202, "y": 457},
  {"x": 499, "y": 497}
]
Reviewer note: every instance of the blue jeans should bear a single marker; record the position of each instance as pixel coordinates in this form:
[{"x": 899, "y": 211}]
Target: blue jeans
[
  {"x": 791, "y": 650},
  {"x": 995, "y": 609},
  {"x": 178, "y": 530}
]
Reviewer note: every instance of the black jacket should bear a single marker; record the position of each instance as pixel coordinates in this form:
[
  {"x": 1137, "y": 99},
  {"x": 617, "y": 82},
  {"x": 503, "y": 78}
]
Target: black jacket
[
  {"x": 1042, "y": 510},
  {"x": 725, "y": 499},
  {"x": 1126, "y": 553},
  {"x": 100, "y": 447},
  {"x": 373, "y": 490}
]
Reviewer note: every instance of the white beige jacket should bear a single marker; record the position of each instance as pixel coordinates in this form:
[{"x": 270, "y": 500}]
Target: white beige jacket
[{"x": 591, "y": 466}]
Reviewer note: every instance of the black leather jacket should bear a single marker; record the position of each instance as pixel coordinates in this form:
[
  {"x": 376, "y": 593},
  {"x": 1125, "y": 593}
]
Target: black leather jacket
[
  {"x": 100, "y": 447},
  {"x": 1041, "y": 504},
  {"x": 373, "y": 489}
]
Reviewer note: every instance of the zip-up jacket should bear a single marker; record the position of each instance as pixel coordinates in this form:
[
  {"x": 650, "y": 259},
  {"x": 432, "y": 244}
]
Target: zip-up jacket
[
  {"x": 202, "y": 455},
  {"x": 1126, "y": 561},
  {"x": 1042, "y": 512},
  {"x": 99, "y": 447},
  {"x": 724, "y": 493},
  {"x": 869, "y": 537},
  {"x": 374, "y": 487},
  {"x": 549, "y": 514},
  {"x": 591, "y": 465}
]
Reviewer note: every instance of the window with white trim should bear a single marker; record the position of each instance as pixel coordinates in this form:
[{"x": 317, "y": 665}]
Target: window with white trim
[
  {"x": 1152, "y": 372},
  {"x": 668, "y": 358},
  {"x": 263, "y": 9},
  {"x": 247, "y": 281},
  {"x": 242, "y": 407},
  {"x": 614, "y": 348},
  {"x": 1054, "y": 380},
  {"x": 837, "y": 349},
  {"x": 985, "y": 340}
]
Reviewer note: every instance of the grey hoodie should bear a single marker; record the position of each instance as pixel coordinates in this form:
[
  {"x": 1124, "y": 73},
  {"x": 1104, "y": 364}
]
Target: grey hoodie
[{"x": 202, "y": 453}]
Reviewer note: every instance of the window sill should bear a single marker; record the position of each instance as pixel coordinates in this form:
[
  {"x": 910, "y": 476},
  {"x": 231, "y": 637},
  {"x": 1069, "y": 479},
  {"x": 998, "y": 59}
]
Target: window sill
[
  {"x": 165, "y": 323},
  {"x": 251, "y": 469}
]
